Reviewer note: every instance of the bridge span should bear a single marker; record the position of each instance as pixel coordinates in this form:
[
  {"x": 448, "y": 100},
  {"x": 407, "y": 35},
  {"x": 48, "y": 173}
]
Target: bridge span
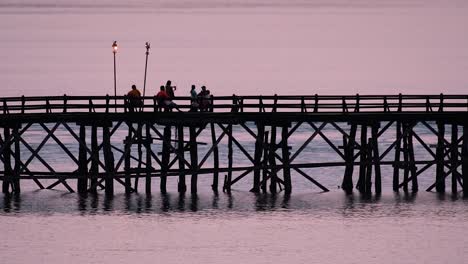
[{"x": 107, "y": 143}]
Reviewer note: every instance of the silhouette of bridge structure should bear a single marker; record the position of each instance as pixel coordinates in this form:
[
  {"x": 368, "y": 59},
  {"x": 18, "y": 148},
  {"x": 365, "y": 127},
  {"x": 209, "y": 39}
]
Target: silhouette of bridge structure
[{"x": 90, "y": 125}]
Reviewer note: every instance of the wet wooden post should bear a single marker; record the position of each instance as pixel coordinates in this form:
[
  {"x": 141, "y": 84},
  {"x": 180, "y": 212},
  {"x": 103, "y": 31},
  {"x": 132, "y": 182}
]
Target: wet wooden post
[
  {"x": 376, "y": 158},
  {"x": 229, "y": 175},
  {"x": 181, "y": 186},
  {"x": 347, "y": 184},
  {"x": 272, "y": 160},
  {"x": 265, "y": 162},
  {"x": 17, "y": 156},
  {"x": 165, "y": 157},
  {"x": 127, "y": 160},
  {"x": 109, "y": 161},
  {"x": 7, "y": 161},
  {"x": 405, "y": 158},
  {"x": 285, "y": 156},
  {"x": 82, "y": 183},
  {"x": 94, "y": 160},
  {"x": 440, "y": 180},
  {"x": 396, "y": 164},
  {"x": 194, "y": 159},
  {"x": 454, "y": 157},
  {"x": 368, "y": 175},
  {"x": 258, "y": 156},
  {"x": 215, "y": 184},
  {"x": 148, "y": 141},
  {"x": 140, "y": 154},
  {"x": 412, "y": 162},
  {"x": 465, "y": 160},
  {"x": 363, "y": 159}
]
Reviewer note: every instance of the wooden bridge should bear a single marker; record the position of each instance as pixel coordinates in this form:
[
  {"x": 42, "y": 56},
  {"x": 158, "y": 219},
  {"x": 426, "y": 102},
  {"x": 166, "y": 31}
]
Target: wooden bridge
[{"x": 98, "y": 162}]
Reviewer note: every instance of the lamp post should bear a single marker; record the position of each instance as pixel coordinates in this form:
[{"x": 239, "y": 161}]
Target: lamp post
[
  {"x": 114, "y": 50},
  {"x": 147, "y": 46}
]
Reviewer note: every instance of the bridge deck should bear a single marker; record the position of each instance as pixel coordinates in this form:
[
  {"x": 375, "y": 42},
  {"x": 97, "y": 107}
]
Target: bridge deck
[{"x": 99, "y": 161}]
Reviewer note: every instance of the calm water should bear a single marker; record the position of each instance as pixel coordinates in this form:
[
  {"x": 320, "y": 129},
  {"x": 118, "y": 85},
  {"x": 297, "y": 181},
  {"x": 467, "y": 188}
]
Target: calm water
[{"x": 246, "y": 47}]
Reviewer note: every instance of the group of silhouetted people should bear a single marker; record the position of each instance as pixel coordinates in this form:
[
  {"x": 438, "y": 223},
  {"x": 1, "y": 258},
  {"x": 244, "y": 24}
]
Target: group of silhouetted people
[{"x": 164, "y": 99}]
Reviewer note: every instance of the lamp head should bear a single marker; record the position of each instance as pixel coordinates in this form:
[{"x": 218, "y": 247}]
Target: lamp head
[{"x": 114, "y": 47}]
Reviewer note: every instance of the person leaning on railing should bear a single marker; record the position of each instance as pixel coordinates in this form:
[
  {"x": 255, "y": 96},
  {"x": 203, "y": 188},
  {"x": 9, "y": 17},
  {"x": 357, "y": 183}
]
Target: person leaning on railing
[{"x": 134, "y": 99}]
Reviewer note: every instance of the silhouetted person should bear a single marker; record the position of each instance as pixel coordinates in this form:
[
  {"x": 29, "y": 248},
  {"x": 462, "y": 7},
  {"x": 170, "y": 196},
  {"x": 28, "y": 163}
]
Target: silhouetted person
[
  {"x": 163, "y": 98},
  {"x": 204, "y": 99},
  {"x": 193, "y": 99},
  {"x": 134, "y": 99},
  {"x": 170, "y": 89},
  {"x": 165, "y": 101}
]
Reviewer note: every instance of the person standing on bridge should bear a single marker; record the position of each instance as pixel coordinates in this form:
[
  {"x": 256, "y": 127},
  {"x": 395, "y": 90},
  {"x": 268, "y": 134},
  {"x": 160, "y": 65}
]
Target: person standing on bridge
[
  {"x": 170, "y": 89},
  {"x": 193, "y": 99},
  {"x": 134, "y": 99},
  {"x": 204, "y": 99}
]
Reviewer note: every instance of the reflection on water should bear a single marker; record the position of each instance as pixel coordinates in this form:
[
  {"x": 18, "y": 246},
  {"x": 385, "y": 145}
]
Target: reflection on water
[
  {"x": 326, "y": 204},
  {"x": 238, "y": 228}
]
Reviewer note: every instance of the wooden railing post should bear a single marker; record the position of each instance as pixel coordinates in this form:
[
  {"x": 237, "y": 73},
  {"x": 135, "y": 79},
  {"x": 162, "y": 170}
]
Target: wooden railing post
[
  {"x": 400, "y": 102},
  {"x": 65, "y": 101},
  {"x": 107, "y": 103},
  {"x": 441, "y": 104}
]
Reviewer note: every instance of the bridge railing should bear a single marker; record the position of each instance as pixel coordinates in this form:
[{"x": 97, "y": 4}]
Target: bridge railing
[{"x": 236, "y": 103}]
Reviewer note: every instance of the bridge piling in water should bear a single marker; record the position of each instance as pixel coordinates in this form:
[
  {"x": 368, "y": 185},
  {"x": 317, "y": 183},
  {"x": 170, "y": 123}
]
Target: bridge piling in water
[{"x": 82, "y": 182}]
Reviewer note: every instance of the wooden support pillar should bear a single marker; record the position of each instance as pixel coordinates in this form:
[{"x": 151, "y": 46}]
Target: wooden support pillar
[
  {"x": 181, "y": 186},
  {"x": 17, "y": 156},
  {"x": 265, "y": 163},
  {"x": 229, "y": 175},
  {"x": 412, "y": 162},
  {"x": 127, "y": 161},
  {"x": 259, "y": 148},
  {"x": 82, "y": 183},
  {"x": 194, "y": 159},
  {"x": 376, "y": 159},
  {"x": 148, "y": 141},
  {"x": 465, "y": 160},
  {"x": 368, "y": 175},
  {"x": 347, "y": 184},
  {"x": 454, "y": 158},
  {"x": 140, "y": 154},
  {"x": 363, "y": 159},
  {"x": 396, "y": 164},
  {"x": 440, "y": 179},
  {"x": 94, "y": 160},
  {"x": 285, "y": 156},
  {"x": 7, "y": 161},
  {"x": 165, "y": 158},
  {"x": 109, "y": 161},
  {"x": 406, "y": 158},
  {"x": 214, "y": 186},
  {"x": 272, "y": 160}
]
